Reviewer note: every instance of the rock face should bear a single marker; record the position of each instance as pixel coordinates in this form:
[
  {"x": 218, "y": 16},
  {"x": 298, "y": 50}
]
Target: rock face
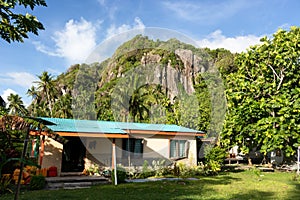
[
  {"x": 170, "y": 78},
  {"x": 150, "y": 58},
  {"x": 174, "y": 79}
]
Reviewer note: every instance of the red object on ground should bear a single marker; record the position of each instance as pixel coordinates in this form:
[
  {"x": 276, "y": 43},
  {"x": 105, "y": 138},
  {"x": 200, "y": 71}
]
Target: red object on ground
[{"x": 52, "y": 171}]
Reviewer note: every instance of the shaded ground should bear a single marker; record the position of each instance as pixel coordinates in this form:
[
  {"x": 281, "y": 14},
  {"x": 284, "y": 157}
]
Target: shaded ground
[{"x": 240, "y": 185}]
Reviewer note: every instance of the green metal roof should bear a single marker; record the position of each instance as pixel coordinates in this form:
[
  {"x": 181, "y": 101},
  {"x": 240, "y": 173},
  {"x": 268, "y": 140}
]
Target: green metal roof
[{"x": 93, "y": 126}]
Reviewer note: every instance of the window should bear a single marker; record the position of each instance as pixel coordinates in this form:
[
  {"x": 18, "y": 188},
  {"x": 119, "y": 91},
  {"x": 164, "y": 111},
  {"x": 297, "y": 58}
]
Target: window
[
  {"x": 132, "y": 147},
  {"x": 178, "y": 148}
]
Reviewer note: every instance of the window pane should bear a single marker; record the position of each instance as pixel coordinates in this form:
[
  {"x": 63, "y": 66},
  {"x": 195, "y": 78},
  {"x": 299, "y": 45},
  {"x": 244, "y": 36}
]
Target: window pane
[
  {"x": 177, "y": 148},
  {"x": 138, "y": 148},
  {"x": 132, "y": 146},
  {"x": 173, "y": 149},
  {"x": 181, "y": 148}
]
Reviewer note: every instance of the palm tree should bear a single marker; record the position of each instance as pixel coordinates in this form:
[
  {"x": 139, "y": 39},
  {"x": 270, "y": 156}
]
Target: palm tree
[
  {"x": 34, "y": 106},
  {"x": 33, "y": 93},
  {"x": 16, "y": 105},
  {"x": 47, "y": 90},
  {"x": 62, "y": 107}
]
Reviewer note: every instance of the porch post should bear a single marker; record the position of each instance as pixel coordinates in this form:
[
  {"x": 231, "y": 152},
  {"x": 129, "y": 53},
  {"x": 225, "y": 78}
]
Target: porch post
[
  {"x": 114, "y": 160},
  {"x": 298, "y": 161},
  {"x": 22, "y": 164},
  {"x": 42, "y": 150}
]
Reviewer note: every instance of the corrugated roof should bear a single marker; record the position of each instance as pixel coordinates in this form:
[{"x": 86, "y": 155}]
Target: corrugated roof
[{"x": 93, "y": 126}]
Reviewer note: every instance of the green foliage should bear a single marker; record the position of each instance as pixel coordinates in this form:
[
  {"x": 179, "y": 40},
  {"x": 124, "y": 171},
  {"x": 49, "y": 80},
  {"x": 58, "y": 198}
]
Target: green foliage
[
  {"x": 263, "y": 96},
  {"x": 146, "y": 170},
  {"x": 121, "y": 175},
  {"x": 186, "y": 171},
  {"x": 37, "y": 182},
  {"x": 16, "y": 105},
  {"x": 5, "y": 183},
  {"x": 14, "y": 26},
  {"x": 214, "y": 160},
  {"x": 160, "y": 168},
  {"x": 216, "y": 153}
]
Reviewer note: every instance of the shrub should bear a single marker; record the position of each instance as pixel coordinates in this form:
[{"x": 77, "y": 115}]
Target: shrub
[
  {"x": 214, "y": 160},
  {"x": 146, "y": 171},
  {"x": 5, "y": 184},
  {"x": 185, "y": 171},
  {"x": 121, "y": 175},
  {"x": 37, "y": 182},
  {"x": 159, "y": 167}
]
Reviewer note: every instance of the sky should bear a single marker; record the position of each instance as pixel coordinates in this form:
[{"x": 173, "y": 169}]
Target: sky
[{"x": 73, "y": 29}]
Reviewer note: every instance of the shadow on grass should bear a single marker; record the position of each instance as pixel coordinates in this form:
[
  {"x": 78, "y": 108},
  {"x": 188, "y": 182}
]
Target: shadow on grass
[
  {"x": 216, "y": 187},
  {"x": 232, "y": 168},
  {"x": 219, "y": 180},
  {"x": 295, "y": 194},
  {"x": 253, "y": 194}
]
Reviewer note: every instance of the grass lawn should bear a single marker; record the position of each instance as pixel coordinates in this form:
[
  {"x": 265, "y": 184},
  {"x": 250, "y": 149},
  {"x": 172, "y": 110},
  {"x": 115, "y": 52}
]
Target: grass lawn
[{"x": 239, "y": 185}]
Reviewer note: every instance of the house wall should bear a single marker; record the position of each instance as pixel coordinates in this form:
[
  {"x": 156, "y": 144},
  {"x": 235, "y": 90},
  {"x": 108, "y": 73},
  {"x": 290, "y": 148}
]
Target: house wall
[
  {"x": 99, "y": 151},
  {"x": 52, "y": 154}
]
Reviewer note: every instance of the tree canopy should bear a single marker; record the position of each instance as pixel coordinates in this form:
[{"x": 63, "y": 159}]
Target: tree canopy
[
  {"x": 263, "y": 96},
  {"x": 16, "y": 26}
]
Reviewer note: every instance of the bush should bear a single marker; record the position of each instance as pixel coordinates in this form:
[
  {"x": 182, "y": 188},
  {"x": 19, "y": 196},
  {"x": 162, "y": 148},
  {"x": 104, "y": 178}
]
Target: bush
[
  {"x": 159, "y": 168},
  {"x": 121, "y": 175},
  {"x": 146, "y": 171},
  {"x": 5, "y": 183},
  {"x": 37, "y": 182},
  {"x": 214, "y": 160}
]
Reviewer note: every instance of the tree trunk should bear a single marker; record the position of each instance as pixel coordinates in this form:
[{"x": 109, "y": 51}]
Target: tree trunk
[{"x": 249, "y": 160}]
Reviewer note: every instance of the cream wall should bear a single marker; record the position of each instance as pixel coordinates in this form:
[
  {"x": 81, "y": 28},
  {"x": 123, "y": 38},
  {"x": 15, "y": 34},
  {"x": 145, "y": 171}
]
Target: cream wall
[
  {"x": 99, "y": 151},
  {"x": 52, "y": 154}
]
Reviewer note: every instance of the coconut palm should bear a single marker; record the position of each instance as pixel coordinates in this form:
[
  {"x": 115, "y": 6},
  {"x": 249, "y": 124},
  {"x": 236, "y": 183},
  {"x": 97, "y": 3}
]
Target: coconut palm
[
  {"x": 16, "y": 105},
  {"x": 33, "y": 93},
  {"x": 62, "y": 107},
  {"x": 47, "y": 90}
]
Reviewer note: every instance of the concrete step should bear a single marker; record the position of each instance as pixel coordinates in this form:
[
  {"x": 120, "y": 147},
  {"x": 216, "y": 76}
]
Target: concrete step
[
  {"x": 54, "y": 186},
  {"x": 74, "y": 182},
  {"x": 77, "y": 185}
]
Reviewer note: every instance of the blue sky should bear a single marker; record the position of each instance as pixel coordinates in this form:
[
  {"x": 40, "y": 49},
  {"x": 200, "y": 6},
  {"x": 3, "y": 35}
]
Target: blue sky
[{"x": 74, "y": 28}]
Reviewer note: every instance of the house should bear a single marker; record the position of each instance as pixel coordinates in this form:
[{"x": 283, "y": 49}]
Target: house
[{"x": 77, "y": 144}]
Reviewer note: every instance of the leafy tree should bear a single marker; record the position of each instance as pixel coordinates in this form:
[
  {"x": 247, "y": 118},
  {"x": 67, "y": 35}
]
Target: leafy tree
[
  {"x": 14, "y": 26},
  {"x": 263, "y": 96},
  {"x": 16, "y": 105}
]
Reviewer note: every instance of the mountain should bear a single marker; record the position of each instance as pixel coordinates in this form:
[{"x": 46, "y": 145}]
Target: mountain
[{"x": 151, "y": 81}]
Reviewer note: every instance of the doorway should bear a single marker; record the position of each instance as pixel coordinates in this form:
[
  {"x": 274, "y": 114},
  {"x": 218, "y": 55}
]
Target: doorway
[{"x": 73, "y": 155}]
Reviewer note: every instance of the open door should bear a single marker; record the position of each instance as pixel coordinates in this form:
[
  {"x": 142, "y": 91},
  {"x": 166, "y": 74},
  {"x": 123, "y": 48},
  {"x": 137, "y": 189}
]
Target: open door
[{"x": 73, "y": 155}]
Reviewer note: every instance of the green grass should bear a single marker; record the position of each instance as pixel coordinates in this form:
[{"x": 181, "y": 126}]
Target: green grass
[{"x": 241, "y": 185}]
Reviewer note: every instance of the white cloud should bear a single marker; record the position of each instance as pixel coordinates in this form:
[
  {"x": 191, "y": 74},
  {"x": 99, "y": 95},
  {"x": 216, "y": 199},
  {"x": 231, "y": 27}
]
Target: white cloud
[
  {"x": 234, "y": 44},
  {"x": 114, "y": 38},
  {"x": 6, "y": 93},
  {"x": 74, "y": 42},
  {"x": 113, "y": 30},
  {"x": 23, "y": 79}
]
